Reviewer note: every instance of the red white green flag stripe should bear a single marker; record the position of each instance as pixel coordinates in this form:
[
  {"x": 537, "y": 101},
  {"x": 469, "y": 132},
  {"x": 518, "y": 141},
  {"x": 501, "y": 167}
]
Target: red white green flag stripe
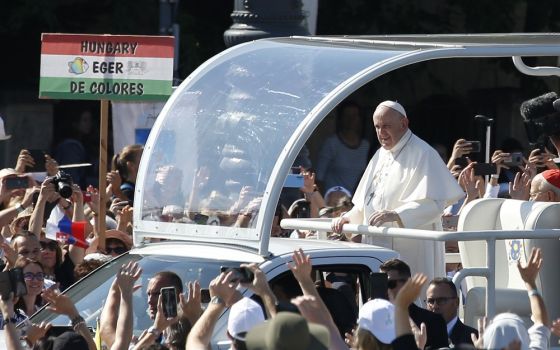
[{"x": 111, "y": 67}]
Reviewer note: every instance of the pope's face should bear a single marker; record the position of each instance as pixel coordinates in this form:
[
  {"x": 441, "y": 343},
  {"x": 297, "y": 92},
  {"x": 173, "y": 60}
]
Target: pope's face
[{"x": 390, "y": 126}]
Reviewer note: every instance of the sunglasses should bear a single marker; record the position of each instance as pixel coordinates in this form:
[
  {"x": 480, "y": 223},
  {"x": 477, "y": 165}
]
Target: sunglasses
[
  {"x": 30, "y": 276},
  {"x": 49, "y": 245},
  {"x": 116, "y": 250},
  {"x": 439, "y": 301},
  {"x": 392, "y": 283}
]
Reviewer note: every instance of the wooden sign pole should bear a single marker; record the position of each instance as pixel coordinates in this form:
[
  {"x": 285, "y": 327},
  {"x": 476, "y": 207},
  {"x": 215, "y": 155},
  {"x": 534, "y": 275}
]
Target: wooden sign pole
[{"x": 104, "y": 121}]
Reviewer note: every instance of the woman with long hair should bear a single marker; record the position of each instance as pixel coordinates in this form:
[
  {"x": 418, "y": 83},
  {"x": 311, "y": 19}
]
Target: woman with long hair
[{"x": 124, "y": 171}]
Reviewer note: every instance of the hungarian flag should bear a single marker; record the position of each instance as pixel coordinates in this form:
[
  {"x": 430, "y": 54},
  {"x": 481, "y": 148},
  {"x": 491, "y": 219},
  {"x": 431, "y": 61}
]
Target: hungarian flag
[{"x": 61, "y": 228}]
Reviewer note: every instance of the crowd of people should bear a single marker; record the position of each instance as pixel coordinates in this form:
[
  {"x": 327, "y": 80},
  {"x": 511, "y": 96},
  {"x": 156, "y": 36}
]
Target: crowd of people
[{"x": 50, "y": 235}]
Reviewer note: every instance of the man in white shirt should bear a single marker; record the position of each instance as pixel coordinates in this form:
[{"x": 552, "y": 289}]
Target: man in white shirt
[{"x": 406, "y": 184}]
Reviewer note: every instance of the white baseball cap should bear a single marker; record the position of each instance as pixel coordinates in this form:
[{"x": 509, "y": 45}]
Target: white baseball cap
[
  {"x": 378, "y": 317},
  {"x": 243, "y": 316}
]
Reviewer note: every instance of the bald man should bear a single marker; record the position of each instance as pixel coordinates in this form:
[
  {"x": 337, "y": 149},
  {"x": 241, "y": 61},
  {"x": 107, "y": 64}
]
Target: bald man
[
  {"x": 545, "y": 187},
  {"x": 406, "y": 184}
]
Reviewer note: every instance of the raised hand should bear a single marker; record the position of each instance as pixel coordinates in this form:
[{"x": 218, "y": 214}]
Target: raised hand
[
  {"x": 127, "y": 276},
  {"x": 479, "y": 341},
  {"x": 301, "y": 266},
  {"x": 191, "y": 302},
  {"x": 521, "y": 186},
  {"x": 420, "y": 334},
  {"x": 410, "y": 290},
  {"x": 531, "y": 270},
  {"x": 59, "y": 303},
  {"x": 37, "y": 331},
  {"x": 468, "y": 182},
  {"x": 308, "y": 181},
  {"x": 460, "y": 148},
  {"x": 24, "y": 160},
  {"x": 224, "y": 287}
]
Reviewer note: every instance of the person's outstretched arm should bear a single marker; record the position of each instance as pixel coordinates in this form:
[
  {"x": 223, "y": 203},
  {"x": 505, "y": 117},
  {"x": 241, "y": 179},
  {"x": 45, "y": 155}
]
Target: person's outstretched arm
[
  {"x": 223, "y": 293},
  {"x": 406, "y": 296},
  {"x": 62, "y": 304},
  {"x": 313, "y": 308},
  {"x": 126, "y": 277}
]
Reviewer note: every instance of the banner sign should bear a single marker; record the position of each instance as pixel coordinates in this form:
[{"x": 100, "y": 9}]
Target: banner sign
[{"x": 106, "y": 67}]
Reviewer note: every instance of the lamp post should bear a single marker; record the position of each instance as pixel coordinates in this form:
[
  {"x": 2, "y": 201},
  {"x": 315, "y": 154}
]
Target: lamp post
[{"x": 257, "y": 19}]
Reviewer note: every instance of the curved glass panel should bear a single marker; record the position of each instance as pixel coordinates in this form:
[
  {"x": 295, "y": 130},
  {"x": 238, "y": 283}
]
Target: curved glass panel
[{"x": 218, "y": 141}]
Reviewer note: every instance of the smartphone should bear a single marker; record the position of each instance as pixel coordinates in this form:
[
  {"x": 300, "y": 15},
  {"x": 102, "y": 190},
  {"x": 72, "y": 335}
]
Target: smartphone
[
  {"x": 475, "y": 146},
  {"x": 205, "y": 296},
  {"x": 462, "y": 162},
  {"x": 516, "y": 159},
  {"x": 379, "y": 285},
  {"x": 240, "y": 274},
  {"x": 294, "y": 181},
  {"x": 15, "y": 182},
  {"x": 304, "y": 210},
  {"x": 169, "y": 301},
  {"x": 39, "y": 158},
  {"x": 200, "y": 219},
  {"x": 12, "y": 281},
  {"x": 296, "y": 170},
  {"x": 481, "y": 169}
]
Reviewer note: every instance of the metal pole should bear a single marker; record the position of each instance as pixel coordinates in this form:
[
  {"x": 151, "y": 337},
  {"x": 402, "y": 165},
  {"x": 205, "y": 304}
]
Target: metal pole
[
  {"x": 491, "y": 278},
  {"x": 487, "y": 160}
]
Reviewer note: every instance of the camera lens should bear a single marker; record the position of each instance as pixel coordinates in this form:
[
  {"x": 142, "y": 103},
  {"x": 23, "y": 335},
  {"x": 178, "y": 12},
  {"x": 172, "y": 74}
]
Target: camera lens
[{"x": 64, "y": 189}]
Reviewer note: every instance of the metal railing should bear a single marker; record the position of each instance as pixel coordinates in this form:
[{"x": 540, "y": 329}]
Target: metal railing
[{"x": 490, "y": 236}]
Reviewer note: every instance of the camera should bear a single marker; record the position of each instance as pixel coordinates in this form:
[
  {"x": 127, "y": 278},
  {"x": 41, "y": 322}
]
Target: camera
[
  {"x": 63, "y": 184},
  {"x": 541, "y": 116}
]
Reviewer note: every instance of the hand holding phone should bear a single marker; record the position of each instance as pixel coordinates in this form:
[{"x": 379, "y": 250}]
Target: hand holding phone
[
  {"x": 205, "y": 296},
  {"x": 39, "y": 159},
  {"x": 240, "y": 274},
  {"x": 12, "y": 281},
  {"x": 475, "y": 146},
  {"x": 169, "y": 301},
  {"x": 16, "y": 182}
]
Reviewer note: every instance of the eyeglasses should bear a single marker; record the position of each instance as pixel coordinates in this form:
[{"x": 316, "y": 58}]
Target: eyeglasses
[
  {"x": 51, "y": 245},
  {"x": 117, "y": 250},
  {"x": 392, "y": 283},
  {"x": 439, "y": 301},
  {"x": 30, "y": 276},
  {"x": 533, "y": 195}
]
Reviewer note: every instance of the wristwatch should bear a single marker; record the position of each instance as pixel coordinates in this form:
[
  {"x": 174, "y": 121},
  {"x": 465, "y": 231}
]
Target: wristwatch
[
  {"x": 20, "y": 208},
  {"x": 153, "y": 330},
  {"x": 217, "y": 300},
  {"x": 12, "y": 320}
]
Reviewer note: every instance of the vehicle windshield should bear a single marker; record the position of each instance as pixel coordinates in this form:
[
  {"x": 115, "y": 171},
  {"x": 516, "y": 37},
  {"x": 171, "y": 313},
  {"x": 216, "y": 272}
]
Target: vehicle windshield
[{"x": 90, "y": 294}]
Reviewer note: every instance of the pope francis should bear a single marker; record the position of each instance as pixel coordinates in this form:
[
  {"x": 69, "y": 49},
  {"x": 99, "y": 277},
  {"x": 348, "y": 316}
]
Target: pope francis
[{"x": 406, "y": 184}]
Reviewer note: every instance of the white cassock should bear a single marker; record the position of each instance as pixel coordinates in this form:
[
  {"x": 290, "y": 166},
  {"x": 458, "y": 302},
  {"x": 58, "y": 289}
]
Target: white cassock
[{"x": 412, "y": 180}]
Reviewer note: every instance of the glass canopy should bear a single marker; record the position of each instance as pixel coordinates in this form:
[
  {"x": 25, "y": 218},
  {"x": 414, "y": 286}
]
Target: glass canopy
[
  {"x": 217, "y": 157},
  {"x": 211, "y": 155}
]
